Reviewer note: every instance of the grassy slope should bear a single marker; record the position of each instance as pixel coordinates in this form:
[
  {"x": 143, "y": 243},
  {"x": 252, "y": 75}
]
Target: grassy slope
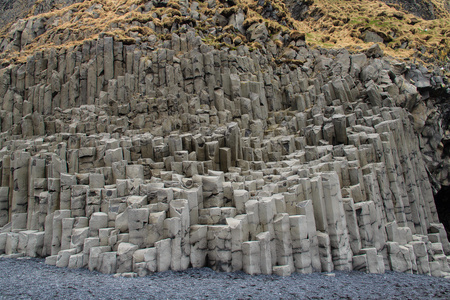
[
  {"x": 332, "y": 24},
  {"x": 395, "y": 26}
]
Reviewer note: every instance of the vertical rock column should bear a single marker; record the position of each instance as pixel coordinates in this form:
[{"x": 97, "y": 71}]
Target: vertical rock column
[
  {"x": 93, "y": 201},
  {"x": 352, "y": 225},
  {"x": 373, "y": 194},
  {"x": 267, "y": 211},
  {"x": 212, "y": 191},
  {"x": 385, "y": 193},
  {"x": 19, "y": 162},
  {"x": 219, "y": 247},
  {"x": 251, "y": 257},
  {"x": 6, "y": 180},
  {"x": 233, "y": 138},
  {"x": 391, "y": 172},
  {"x": 124, "y": 262},
  {"x": 319, "y": 204},
  {"x": 409, "y": 173},
  {"x": 305, "y": 208},
  {"x": 54, "y": 186},
  {"x": 57, "y": 230},
  {"x": 283, "y": 241},
  {"x": 420, "y": 251},
  {"x": 79, "y": 194},
  {"x": 36, "y": 170},
  {"x": 138, "y": 219},
  {"x": 66, "y": 182},
  {"x": 199, "y": 245},
  {"x": 337, "y": 224},
  {"x": 163, "y": 254},
  {"x": 180, "y": 209},
  {"x": 237, "y": 238},
  {"x": 339, "y": 122},
  {"x": 192, "y": 196},
  {"x": 108, "y": 58},
  {"x": 41, "y": 207},
  {"x": 300, "y": 244},
  {"x": 172, "y": 230},
  {"x": 252, "y": 211},
  {"x": 4, "y": 205},
  {"x": 365, "y": 221},
  {"x": 264, "y": 240}
]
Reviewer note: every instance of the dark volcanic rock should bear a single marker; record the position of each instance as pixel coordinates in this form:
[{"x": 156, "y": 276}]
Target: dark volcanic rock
[
  {"x": 372, "y": 37},
  {"x": 299, "y": 8},
  {"x": 421, "y": 8},
  {"x": 11, "y": 10}
]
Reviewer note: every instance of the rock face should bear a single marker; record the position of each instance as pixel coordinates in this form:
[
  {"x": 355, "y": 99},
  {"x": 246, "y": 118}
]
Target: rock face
[
  {"x": 173, "y": 154},
  {"x": 12, "y": 10},
  {"x": 425, "y": 9},
  {"x": 299, "y": 8}
]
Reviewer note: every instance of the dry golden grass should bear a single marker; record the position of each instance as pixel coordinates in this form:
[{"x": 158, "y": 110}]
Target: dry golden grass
[
  {"x": 113, "y": 18},
  {"x": 395, "y": 26},
  {"x": 333, "y": 29}
]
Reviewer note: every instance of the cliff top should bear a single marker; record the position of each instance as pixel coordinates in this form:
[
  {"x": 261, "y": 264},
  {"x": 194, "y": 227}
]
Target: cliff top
[{"x": 354, "y": 25}]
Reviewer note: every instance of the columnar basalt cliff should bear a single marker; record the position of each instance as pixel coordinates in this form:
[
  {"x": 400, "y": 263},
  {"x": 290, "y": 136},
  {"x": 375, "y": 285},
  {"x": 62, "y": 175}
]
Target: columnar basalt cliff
[{"x": 166, "y": 150}]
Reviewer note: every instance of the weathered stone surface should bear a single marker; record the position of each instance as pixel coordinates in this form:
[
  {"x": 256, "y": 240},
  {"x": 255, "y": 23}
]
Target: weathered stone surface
[{"x": 136, "y": 159}]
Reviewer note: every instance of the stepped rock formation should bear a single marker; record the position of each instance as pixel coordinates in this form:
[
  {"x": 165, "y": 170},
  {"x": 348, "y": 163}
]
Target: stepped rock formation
[{"x": 133, "y": 156}]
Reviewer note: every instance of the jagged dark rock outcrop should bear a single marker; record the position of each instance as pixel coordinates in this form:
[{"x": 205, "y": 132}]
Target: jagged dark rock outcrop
[
  {"x": 425, "y": 9},
  {"x": 299, "y": 8},
  {"x": 12, "y": 10}
]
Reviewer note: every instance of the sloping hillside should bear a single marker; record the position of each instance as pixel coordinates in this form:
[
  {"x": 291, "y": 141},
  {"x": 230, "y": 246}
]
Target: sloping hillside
[{"x": 321, "y": 23}]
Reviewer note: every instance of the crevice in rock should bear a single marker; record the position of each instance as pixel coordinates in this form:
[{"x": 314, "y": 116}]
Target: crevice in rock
[{"x": 442, "y": 200}]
